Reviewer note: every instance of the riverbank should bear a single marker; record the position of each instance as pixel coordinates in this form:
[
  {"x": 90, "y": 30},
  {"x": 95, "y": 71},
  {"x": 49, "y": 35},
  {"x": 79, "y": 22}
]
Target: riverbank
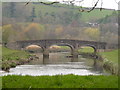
[
  {"x": 109, "y": 58},
  {"x": 60, "y": 81},
  {"x": 12, "y": 58},
  {"x": 111, "y": 61}
]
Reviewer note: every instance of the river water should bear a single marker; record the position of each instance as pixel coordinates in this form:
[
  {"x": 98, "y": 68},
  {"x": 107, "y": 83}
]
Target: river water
[{"x": 57, "y": 64}]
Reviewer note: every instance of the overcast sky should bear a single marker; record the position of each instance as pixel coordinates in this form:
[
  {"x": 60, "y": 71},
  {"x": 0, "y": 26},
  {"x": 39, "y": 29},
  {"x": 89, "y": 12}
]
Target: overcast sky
[{"x": 110, "y": 4}]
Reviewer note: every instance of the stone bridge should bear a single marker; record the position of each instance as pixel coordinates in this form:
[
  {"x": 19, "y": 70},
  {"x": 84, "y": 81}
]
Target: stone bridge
[{"x": 45, "y": 44}]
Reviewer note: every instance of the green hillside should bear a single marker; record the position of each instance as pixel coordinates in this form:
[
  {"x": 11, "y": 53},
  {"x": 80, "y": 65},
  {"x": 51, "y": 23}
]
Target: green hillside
[
  {"x": 55, "y": 9},
  {"x": 95, "y": 14}
]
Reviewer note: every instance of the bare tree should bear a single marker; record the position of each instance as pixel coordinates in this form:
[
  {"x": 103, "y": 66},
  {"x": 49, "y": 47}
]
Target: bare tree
[{"x": 72, "y": 3}]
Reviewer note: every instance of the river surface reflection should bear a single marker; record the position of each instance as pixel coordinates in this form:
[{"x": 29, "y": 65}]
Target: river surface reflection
[{"x": 58, "y": 63}]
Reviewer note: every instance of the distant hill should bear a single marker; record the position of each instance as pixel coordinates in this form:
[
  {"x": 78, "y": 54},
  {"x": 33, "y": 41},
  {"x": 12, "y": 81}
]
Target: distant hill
[
  {"x": 38, "y": 21},
  {"x": 95, "y": 14},
  {"x": 20, "y": 10}
]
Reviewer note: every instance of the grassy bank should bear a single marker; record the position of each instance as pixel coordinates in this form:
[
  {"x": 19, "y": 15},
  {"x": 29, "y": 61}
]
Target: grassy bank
[
  {"x": 9, "y": 54},
  {"x": 60, "y": 81},
  {"x": 111, "y": 61},
  {"x": 11, "y": 58},
  {"x": 111, "y": 55}
]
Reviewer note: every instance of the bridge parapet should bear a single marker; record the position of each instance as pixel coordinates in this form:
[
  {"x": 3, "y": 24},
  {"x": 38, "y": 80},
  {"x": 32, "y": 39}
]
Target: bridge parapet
[{"x": 48, "y": 42}]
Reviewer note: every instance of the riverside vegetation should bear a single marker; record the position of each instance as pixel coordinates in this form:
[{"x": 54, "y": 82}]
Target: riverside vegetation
[{"x": 11, "y": 58}]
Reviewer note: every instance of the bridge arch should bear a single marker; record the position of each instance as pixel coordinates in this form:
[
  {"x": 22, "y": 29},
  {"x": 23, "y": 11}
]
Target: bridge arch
[
  {"x": 32, "y": 46},
  {"x": 64, "y": 44},
  {"x": 92, "y": 46}
]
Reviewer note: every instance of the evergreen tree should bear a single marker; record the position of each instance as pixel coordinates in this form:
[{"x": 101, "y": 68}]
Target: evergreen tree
[
  {"x": 12, "y": 9},
  {"x": 33, "y": 12},
  {"x": 33, "y": 15}
]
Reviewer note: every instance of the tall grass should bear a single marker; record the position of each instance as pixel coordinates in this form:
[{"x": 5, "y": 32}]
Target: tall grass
[{"x": 60, "y": 81}]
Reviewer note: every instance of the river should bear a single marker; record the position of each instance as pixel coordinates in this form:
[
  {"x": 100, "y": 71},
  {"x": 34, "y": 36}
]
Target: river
[{"x": 57, "y": 64}]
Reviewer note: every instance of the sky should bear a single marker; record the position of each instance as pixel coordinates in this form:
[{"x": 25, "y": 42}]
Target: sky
[{"x": 109, "y": 4}]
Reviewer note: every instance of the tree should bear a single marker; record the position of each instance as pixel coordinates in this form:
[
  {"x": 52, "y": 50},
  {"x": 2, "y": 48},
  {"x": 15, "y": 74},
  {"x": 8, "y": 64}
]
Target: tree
[
  {"x": 12, "y": 9},
  {"x": 58, "y": 31},
  {"x": 8, "y": 34},
  {"x": 33, "y": 15},
  {"x": 93, "y": 33},
  {"x": 33, "y": 31}
]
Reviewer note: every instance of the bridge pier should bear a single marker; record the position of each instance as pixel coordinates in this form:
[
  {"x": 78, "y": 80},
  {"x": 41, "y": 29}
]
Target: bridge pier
[
  {"x": 75, "y": 53},
  {"x": 45, "y": 53}
]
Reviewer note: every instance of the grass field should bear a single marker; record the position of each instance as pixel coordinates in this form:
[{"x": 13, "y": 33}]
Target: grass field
[
  {"x": 86, "y": 50},
  {"x": 95, "y": 14},
  {"x": 8, "y": 54},
  {"x": 111, "y": 55},
  {"x": 11, "y": 58},
  {"x": 60, "y": 81}
]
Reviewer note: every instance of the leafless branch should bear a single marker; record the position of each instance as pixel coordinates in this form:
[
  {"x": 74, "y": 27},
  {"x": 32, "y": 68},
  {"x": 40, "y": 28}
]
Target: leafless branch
[
  {"x": 42, "y": 3},
  {"x": 48, "y": 3},
  {"x": 72, "y": 2},
  {"x": 82, "y": 10},
  {"x": 28, "y": 2},
  {"x": 116, "y": 1},
  {"x": 94, "y": 6}
]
